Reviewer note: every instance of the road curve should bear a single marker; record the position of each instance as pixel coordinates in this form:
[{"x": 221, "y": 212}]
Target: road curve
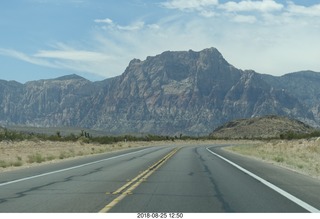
[{"x": 156, "y": 179}]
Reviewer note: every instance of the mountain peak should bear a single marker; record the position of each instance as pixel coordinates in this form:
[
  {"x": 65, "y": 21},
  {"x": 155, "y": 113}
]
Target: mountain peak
[
  {"x": 188, "y": 92},
  {"x": 211, "y": 50},
  {"x": 179, "y": 60},
  {"x": 69, "y": 77}
]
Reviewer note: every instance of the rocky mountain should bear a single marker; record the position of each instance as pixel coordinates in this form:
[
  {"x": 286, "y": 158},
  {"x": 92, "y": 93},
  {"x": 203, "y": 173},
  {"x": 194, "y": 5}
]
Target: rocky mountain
[
  {"x": 184, "y": 92},
  {"x": 261, "y": 127}
]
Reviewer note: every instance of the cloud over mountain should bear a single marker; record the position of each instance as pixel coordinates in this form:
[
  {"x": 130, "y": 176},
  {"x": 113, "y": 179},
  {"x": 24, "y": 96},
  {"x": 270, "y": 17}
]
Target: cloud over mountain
[{"x": 267, "y": 35}]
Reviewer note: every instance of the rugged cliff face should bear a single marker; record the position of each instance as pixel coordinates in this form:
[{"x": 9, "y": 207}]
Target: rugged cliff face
[
  {"x": 63, "y": 101},
  {"x": 170, "y": 93},
  {"x": 175, "y": 92}
]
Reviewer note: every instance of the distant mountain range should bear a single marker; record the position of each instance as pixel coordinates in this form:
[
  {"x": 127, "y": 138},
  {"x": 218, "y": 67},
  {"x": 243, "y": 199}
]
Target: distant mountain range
[{"x": 186, "y": 92}]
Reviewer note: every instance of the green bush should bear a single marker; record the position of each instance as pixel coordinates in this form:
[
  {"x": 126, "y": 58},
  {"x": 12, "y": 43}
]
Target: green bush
[
  {"x": 293, "y": 135},
  {"x": 86, "y": 137}
]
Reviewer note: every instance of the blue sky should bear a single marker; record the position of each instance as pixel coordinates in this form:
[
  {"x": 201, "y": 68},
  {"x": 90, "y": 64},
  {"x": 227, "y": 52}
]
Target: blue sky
[{"x": 96, "y": 39}]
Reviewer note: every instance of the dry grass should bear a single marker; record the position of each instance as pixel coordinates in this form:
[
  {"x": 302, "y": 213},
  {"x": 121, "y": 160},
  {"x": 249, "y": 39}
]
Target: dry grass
[
  {"x": 300, "y": 155},
  {"x": 15, "y": 155}
]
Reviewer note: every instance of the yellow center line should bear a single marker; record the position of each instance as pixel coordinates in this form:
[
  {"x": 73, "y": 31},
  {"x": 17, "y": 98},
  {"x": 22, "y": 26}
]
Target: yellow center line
[{"x": 134, "y": 183}]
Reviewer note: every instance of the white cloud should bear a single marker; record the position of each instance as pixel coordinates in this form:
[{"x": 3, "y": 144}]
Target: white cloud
[
  {"x": 245, "y": 19},
  {"x": 312, "y": 11},
  {"x": 266, "y": 36},
  {"x": 132, "y": 27},
  {"x": 21, "y": 56},
  {"x": 204, "y": 7},
  {"x": 106, "y": 20},
  {"x": 248, "y": 5},
  {"x": 136, "y": 25},
  {"x": 189, "y": 4},
  {"x": 207, "y": 13},
  {"x": 169, "y": 33},
  {"x": 262, "y": 35},
  {"x": 65, "y": 57},
  {"x": 64, "y": 52},
  {"x": 71, "y": 55}
]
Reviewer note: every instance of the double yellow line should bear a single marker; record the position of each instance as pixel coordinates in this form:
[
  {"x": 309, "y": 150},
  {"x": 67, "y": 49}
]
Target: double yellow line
[{"x": 135, "y": 182}]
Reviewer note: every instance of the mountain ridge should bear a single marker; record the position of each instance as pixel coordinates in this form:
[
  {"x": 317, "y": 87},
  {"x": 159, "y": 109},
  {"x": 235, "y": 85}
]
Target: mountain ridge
[{"x": 171, "y": 93}]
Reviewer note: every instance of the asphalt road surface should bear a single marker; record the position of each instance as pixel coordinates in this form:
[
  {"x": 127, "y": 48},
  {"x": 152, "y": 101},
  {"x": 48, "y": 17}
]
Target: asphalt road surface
[{"x": 193, "y": 178}]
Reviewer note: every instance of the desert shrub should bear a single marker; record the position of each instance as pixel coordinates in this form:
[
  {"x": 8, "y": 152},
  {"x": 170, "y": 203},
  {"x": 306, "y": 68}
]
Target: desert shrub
[
  {"x": 278, "y": 159},
  {"x": 294, "y": 135},
  {"x": 36, "y": 158},
  {"x": 13, "y": 136},
  {"x": 71, "y": 137},
  {"x": 63, "y": 155},
  {"x": 50, "y": 157},
  {"x": 17, "y": 163},
  {"x": 3, "y": 164}
]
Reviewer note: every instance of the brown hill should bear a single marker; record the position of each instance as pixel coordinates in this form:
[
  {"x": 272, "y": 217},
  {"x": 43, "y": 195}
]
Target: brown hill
[{"x": 261, "y": 127}]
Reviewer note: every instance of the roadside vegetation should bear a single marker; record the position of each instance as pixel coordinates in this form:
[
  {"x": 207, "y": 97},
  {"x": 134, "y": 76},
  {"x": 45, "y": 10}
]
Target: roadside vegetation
[
  {"x": 294, "y": 150},
  {"x": 301, "y": 155},
  {"x": 30, "y": 148},
  {"x": 87, "y": 137},
  {"x": 292, "y": 135},
  {"x": 283, "y": 136}
]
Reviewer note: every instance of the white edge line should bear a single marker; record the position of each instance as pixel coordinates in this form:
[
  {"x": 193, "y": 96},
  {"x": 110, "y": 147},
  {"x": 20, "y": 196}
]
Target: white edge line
[
  {"x": 69, "y": 168},
  {"x": 270, "y": 185}
]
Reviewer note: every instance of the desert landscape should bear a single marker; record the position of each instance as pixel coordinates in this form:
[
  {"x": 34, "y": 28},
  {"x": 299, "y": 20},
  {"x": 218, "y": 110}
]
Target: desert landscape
[
  {"x": 299, "y": 155},
  {"x": 27, "y": 153}
]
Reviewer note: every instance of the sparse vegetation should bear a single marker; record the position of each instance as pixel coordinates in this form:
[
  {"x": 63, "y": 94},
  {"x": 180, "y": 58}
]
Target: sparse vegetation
[
  {"x": 278, "y": 159},
  {"x": 63, "y": 155},
  {"x": 3, "y": 164},
  {"x": 36, "y": 158},
  {"x": 301, "y": 155},
  {"x": 294, "y": 135},
  {"x": 38, "y": 148},
  {"x": 83, "y": 136},
  {"x": 20, "y": 148}
]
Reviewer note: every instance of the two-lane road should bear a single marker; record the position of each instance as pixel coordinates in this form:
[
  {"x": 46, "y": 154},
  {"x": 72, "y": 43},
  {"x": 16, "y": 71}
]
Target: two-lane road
[{"x": 157, "y": 179}]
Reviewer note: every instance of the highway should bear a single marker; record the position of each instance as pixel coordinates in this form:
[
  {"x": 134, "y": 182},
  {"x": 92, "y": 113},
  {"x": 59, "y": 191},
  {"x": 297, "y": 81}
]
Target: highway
[{"x": 168, "y": 178}]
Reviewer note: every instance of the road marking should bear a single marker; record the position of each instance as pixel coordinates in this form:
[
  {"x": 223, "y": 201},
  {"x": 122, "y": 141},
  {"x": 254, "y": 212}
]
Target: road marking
[
  {"x": 70, "y": 168},
  {"x": 134, "y": 183},
  {"x": 270, "y": 185}
]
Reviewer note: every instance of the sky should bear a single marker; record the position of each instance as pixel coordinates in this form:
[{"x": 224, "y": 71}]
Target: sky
[{"x": 96, "y": 39}]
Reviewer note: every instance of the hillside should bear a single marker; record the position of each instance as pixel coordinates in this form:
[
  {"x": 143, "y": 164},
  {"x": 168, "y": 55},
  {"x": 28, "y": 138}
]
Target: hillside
[
  {"x": 175, "y": 92},
  {"x": 261, "y": 127}
]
